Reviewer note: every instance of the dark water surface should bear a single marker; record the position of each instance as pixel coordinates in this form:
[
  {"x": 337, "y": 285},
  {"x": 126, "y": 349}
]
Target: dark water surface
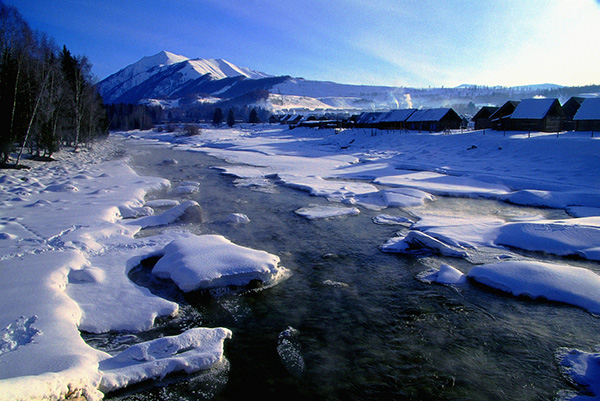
[{"x": 373, "y": 331}]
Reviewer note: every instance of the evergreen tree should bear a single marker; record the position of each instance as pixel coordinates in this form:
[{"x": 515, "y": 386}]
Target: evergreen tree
[
  {"x": 253, "y": 119},
  {"x": 217, "y": 116},
  {"x": 230, "y": 118}
]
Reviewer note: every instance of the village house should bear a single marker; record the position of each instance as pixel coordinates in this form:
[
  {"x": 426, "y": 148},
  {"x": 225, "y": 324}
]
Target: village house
[
  {"x": 292, "y": 120},
  {"x": 395, "y": 119},
  {"x": 369, "y": 119},
  {"x": 544, "y": 115},
  {"x": 569, "y": 110},
  {"x": 434, "y": 120},
  {"x": 587, "y": 117},
  {"x": 482, "y": 118},
  {"x": 501, "y": 116}
]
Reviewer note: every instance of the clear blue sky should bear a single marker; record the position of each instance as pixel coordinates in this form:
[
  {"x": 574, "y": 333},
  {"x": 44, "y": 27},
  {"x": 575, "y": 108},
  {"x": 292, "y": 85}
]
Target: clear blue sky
[{"x": 415, "y": 43}]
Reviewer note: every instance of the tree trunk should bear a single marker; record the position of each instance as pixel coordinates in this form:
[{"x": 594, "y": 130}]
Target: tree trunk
[{"x": 37, "y": 103}]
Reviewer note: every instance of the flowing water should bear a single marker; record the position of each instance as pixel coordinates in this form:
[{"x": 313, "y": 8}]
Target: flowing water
[{"x": 352, "y": 322}]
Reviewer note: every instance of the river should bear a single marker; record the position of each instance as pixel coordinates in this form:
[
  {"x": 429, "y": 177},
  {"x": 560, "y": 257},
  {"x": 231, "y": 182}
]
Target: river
[{"x": 364, "y": 326}]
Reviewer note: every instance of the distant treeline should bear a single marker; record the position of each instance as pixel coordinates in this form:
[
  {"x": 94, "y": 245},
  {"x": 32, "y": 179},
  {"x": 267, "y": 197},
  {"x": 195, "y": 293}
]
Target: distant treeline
[
  {"x": 47, "y": 95},
  {"x": 125, "y": 117}
]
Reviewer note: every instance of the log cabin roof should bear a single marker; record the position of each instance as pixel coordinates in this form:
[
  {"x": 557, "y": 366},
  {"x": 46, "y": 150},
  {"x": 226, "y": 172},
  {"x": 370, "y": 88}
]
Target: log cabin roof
[
  {"x": 536, "y": 109},
  {"x": 397, "y": 115},
  {"x": 589, "y": 110},
  {"x": 431, "y": 114}
]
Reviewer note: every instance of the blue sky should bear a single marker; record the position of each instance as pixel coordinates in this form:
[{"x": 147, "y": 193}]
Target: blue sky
[{"x": 417, "y": 43}]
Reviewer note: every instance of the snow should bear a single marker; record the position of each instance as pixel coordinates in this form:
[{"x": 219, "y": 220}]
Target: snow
[
  {"x": 577, "y": 236},
  {"x": 583, "y": 369},
  {"x": 188, "y": 69},
  {"x": 323, "y": 212},
  {"x": 169, "y": 216},
  {"x": 219, "y": 69},
  {"x": 238, "y": 218},
  {"x": 446, "y": 274},
  {"x": 67, "y": 246},
  {"x": 393, "y": 220},
  {"x": 69, "y": 235},
  {"x": 554, "y": 282},
  {"x": 211, "y": 261},
  {"x": 417, "y": 240},
  {"x": 194, "y": 350},
  {"x": 442, "y": 184}
]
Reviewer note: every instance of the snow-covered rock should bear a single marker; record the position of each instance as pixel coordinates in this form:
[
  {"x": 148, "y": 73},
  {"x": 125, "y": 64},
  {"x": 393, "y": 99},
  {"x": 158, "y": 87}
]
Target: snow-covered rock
[
  {"x": 238, "y": 218},
  {"x": 446, "y": 274},
  {"x": 578, "y": 236},
  {"x": 212, "y": 261},
  {"x": 194, "y": 350},
  {"x": 555, "y": 282},
  {"x": 416, "y": 240}
]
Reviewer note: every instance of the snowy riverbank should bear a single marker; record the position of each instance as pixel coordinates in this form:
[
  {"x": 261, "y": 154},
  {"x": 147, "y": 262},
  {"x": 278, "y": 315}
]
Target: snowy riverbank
[{"x": 66, "y": 243}]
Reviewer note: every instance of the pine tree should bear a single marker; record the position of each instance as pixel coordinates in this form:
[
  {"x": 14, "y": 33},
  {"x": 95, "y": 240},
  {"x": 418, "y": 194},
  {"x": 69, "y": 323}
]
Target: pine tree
[
  {"x": 217, "y": 116},
  {"x": 230, "y": 118},
  {"x": 253, "y": 119}
]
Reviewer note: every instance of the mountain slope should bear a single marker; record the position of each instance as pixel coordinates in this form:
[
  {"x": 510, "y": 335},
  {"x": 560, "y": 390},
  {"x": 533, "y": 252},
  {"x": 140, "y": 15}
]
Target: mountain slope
[{"x": 164, "y": 73}]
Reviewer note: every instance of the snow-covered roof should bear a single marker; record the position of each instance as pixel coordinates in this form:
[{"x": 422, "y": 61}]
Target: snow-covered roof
[
  {"x": 428, "y": 114},
  {"x": 589, "y": 110},
  {"x": 370, "y": 117},
  {"x": 397, "y": 115},
  {"x": 485, "y": 112},
  {"x": 533, "y": 108}
]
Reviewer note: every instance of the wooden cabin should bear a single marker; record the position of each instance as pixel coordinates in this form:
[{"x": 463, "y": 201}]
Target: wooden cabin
[
  {"x": 395, "y": 119},
  {"x": 569, "y": 109},
  {"x": 434, "y": 120},
  {"x": 294, "y": 120},
  {"x": 369, "y": 119},
  {"x": 543, "y": 115},
  {"x": 587, "y": 117},
  {"x": 501, "y": 116},
  {"x": 482, "y": 118}
]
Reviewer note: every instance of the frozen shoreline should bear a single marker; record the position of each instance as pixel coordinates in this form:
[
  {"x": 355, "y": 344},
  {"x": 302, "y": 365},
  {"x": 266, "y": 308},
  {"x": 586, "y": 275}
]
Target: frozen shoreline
[{"x": 67, "y": 218}]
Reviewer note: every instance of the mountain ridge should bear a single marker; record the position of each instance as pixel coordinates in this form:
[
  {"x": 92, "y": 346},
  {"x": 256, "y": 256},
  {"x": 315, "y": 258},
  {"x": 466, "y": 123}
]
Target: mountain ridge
[
  {"x": 173, "y": 69},
  {"x": 173, "y": 80}
]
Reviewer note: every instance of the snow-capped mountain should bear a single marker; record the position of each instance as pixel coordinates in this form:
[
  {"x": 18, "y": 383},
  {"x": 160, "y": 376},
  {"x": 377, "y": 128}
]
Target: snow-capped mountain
[
  {"x": 175, "y": 81},
  {"x": 165, "y": 73}
]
